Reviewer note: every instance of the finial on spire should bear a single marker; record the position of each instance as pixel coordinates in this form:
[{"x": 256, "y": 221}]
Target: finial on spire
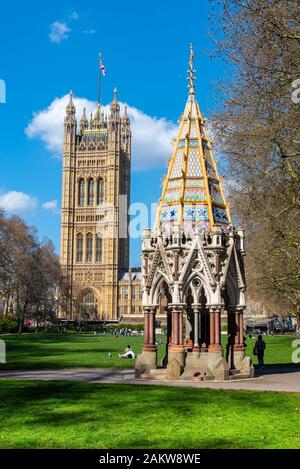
[
  {"x": 191, "y": 56},
  {"x": 70, "y": 109},
  {"x": 83, "y": 118},
  {"x": 115, "y": 106},
  {"x": 191, "y": 71},
  {"x": 125, "y": 118},
  {"x": 84, "y": 123}
]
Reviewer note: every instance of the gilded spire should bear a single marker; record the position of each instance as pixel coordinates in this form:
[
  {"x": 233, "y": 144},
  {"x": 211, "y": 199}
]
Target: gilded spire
[
  {"x": 191, "y": 71},
  {"x": 192, "y": 194}
]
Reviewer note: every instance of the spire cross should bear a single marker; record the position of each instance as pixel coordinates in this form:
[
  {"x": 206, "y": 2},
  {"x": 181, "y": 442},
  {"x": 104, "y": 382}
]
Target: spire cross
[{"x": 191, "y": 72}]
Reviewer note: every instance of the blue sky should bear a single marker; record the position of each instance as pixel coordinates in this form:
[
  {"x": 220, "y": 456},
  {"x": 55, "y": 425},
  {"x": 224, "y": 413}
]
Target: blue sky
[{"x": 51, "y": 47}]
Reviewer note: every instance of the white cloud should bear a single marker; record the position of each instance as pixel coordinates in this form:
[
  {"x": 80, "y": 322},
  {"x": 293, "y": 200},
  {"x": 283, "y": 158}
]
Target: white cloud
[
  {"x": 17, "y": 202},
  {"x": 151, "y": 136},
  {"x": 51, "y": 205},
  {"x": 74, "y": 15},
  {"x": 89, "y": 31},
  {"x": 59, "y": 31}
]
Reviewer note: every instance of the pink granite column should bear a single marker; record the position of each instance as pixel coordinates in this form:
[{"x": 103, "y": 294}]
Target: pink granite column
[
  {"x": 149, "y": 330},
  {"x": 215, "y": 330},
  {"x": 211, "y": 329}
]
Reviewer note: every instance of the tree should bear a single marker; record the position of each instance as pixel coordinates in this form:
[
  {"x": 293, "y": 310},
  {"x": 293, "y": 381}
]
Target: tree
[
  {"x": 29, "y": 271},
  {"x": 258, "y": 132},
  {"x": 70, "y": 298}
]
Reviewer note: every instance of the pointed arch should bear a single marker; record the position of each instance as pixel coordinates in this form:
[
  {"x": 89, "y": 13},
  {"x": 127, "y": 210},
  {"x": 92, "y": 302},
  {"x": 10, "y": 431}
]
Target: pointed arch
[
  {"x": 156, "y": 288},
  {"x": 89, "y": 247},
  {"x": 204, "y": 286},
  {"x": 100, "y": 191},
  {"x": 81, "y": 192},
  {"x": 232, "y": 292},
  {"x": 99, "y": 248},
  {"x": 91, "y": 191},
  {"x": 79, "y": 247},
  {"x": 90, "y": 303}
]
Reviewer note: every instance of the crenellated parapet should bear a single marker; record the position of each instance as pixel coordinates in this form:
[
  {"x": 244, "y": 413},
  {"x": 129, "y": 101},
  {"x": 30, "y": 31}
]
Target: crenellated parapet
[{"x": 95, "y": 133}]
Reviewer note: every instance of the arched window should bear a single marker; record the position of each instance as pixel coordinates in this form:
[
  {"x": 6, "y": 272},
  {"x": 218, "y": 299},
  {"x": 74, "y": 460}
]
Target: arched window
[
  {"x": 89, "y": 306},
  {"x": 89, "y": 247},
  {"x": 98, "y": 249},
  {"x": 79, "y": 248},
  {"x": 91, "y": 192},
  {"x": 100, "y": 191},
  {"x": 81, "y": 190}
]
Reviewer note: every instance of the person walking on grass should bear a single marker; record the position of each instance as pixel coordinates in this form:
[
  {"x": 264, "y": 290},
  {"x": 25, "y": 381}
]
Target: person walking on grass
[{"x": 259, "y": 350}]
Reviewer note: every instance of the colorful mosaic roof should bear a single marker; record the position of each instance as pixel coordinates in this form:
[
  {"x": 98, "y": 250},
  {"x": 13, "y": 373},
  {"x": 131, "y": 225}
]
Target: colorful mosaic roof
[{"x": 192, "y": 190}]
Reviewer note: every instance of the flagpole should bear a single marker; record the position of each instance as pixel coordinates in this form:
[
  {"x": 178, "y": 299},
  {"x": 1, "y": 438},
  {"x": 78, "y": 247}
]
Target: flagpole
[{"x": 99, "y": 79}]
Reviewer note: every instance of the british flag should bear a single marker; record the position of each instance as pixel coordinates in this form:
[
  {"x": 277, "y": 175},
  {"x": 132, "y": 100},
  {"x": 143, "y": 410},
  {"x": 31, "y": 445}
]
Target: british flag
[{"x": 102, "y": 67}]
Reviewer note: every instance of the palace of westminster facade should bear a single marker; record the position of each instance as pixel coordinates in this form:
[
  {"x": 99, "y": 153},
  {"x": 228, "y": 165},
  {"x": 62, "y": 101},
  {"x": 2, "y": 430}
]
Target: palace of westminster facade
[{"x": 95, "y": 181}]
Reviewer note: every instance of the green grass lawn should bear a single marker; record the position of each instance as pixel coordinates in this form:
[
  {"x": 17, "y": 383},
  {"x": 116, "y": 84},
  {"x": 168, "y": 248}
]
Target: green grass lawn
[
  {"x": 37, "y": 414},
  {"x": 50, "y": 351},
  {"x": 59, "y": 414}
]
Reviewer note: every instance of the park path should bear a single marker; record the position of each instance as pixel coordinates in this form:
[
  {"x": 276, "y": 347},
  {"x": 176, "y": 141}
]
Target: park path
[{"x": 286, "y": 380}]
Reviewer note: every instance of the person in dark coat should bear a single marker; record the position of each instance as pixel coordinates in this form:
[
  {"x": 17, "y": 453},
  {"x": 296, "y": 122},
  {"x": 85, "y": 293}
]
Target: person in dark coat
[{"x": 259, "y": 350}]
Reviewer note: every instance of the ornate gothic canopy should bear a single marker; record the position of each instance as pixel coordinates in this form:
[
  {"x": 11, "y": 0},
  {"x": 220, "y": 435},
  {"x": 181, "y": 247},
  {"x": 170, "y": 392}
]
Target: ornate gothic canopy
[{"x": 192, "y": 191}]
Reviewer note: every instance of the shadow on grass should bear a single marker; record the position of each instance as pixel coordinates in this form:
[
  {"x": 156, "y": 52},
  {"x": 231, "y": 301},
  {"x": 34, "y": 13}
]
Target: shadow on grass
[
  {"x": 277, "y": 368},
  {"x": 16, "y": 394},
  {"x": 128, "y": 416}
]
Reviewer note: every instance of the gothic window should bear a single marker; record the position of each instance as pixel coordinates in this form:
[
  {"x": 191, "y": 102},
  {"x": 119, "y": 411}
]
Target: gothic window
[
  {"x": 126, "y": 293},
  {"x": 79, "y": 248},
  {"x": 98, "y": 249},
  {"x": 81, "y": 190},
  {"x": 91, "y": 191},
  {"x": 89, "y": 247},
  {"x": 100, "y": 191},
  {"x": 89, "y": 306},
  {"x": 133, "y": 293}
]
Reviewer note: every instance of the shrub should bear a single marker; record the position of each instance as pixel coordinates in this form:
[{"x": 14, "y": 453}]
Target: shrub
[{"x": 8, "y": 324}]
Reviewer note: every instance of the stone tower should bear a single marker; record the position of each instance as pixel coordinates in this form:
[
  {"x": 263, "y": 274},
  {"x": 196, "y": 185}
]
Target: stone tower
[
  {"x": 95, "y": 201},
  {"x": 193, "y": 258}
]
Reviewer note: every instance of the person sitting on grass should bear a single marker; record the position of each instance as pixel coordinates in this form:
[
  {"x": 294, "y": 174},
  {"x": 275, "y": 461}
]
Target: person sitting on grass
[{"x": 128, "y": 353}]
